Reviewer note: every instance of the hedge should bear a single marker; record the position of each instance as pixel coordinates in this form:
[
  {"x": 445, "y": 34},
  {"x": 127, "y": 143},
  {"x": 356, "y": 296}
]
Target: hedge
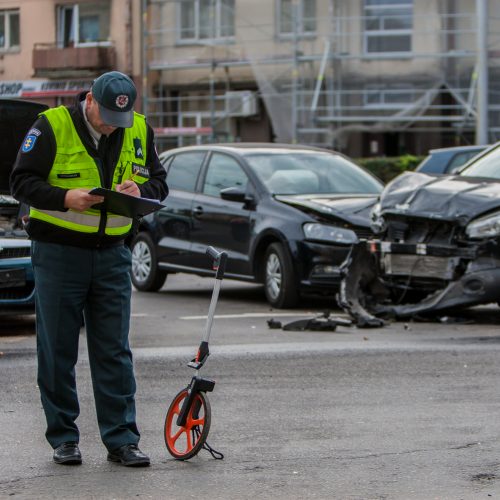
[{"x": 388, "y": 168}]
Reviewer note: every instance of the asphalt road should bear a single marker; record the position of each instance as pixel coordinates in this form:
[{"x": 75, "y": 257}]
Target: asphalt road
[{"x": 408, "y": 411}]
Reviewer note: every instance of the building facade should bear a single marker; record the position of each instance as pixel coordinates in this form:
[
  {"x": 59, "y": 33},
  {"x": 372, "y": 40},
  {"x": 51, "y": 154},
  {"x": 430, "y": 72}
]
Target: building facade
[
  {"x": 365, "y": 77},
  {"x": 52, "y": 49}
]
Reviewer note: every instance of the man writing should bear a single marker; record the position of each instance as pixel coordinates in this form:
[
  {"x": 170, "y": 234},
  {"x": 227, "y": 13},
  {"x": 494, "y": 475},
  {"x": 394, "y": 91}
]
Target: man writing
[{"x": 80, "y": 261}]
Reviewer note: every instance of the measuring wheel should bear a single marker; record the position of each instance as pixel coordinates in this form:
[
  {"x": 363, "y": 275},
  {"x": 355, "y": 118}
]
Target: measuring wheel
[{"x": 184, "y": 442}]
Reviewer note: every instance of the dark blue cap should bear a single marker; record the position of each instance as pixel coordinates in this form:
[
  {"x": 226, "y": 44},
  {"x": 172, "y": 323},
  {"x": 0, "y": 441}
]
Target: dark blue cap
[{"x": 115, "y": 93}]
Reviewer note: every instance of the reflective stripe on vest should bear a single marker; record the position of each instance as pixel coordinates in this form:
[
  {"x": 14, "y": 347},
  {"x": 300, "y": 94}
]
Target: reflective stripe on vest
[{"x": 74, "y": 168}]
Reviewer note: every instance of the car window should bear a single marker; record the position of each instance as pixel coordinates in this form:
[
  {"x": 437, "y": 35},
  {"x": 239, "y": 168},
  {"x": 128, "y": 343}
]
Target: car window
[
  {"x": 184, "y": 170},
  {"x": 223, "y": 172},
  {"x": 487, "y": 165},
  {"x": 311, "y": 173},
  {"x": 460, "y": 159},
  {"x": 434, "y": 163}
]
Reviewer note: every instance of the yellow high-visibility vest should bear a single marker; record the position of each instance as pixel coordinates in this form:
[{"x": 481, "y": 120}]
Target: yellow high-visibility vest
[{"x": 74, "y": 168}]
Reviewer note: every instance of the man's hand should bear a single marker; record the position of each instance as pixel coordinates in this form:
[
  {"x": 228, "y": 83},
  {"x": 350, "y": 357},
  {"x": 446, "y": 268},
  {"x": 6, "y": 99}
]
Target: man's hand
[
  {"x": 80, "y": 199},
  {"x": 129, "y": 187}
]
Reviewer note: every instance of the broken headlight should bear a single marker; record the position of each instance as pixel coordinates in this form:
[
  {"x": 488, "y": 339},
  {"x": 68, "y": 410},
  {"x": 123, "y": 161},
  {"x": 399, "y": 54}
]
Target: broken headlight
[
  {"x": 332, "y": 234},
  {"x": 484, "y": 227},
  {"x": 377, "y": 223}
]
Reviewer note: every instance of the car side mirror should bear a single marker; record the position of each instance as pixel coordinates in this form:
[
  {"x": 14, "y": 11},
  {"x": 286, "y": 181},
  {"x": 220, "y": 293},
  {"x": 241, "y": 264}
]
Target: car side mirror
[{"x": 235, "y": 194}]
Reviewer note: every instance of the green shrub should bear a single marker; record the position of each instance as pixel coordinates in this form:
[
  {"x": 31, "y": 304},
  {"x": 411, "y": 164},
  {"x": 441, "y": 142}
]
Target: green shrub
[{"x": 388, "y": 168}]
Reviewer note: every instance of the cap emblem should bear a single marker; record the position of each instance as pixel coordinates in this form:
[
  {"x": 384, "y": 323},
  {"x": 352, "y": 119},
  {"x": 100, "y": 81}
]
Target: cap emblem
[{"x": 122, "y": 101}]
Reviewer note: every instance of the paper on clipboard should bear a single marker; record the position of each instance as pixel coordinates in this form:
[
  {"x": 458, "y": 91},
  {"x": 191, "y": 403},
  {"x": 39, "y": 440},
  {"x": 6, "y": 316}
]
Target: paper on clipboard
[{"x": 124, "y": 204}]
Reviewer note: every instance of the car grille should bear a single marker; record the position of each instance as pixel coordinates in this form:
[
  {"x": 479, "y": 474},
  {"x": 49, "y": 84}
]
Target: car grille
[
  {"x": 363, "y": 233},
  {"x": 14, "y": 253},
  {"x": 418, "y": 231}
]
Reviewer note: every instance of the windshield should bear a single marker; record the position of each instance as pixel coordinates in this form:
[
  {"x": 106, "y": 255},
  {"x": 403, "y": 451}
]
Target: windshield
[
  {"x": 486, "y": 166},
  {"x": 311, "y": 173}
]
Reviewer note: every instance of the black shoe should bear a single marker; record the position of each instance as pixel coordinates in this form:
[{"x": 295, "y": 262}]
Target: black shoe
[
  {"x": 129, "y": 455},
  {"x": 68, "y": 454}
]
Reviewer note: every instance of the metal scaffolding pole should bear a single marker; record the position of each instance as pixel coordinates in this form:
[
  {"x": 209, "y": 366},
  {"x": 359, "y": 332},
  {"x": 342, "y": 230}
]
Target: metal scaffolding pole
[{"x": 482, "y": 72}]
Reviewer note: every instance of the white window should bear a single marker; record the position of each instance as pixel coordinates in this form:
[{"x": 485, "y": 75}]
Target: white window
[
  {"x": 83, "y": 24},
  {"x": 388, "y": 26},
  {"x": 9, "y": 29},
  {"x": 202, "y": 20},
  {"x": 300, "y": 20},
  {"x": 388, "y": 96}
]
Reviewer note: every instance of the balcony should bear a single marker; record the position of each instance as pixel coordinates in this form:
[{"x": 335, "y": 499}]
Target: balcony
[{"x": 52, "y": 61}]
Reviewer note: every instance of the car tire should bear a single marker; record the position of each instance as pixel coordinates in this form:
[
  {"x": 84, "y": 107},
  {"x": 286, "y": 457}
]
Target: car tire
[
  {"x": 280, "y": 283},
  {"x": 145, "y": 274}
]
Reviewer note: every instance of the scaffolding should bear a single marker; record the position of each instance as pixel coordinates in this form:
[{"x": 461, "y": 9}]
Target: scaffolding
[{"x": 318, "y": 80}]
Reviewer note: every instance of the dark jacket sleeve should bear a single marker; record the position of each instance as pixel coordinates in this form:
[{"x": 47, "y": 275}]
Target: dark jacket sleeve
[
  {"x": 156, "y": 187},
  {"x": 28, "y": 180}
]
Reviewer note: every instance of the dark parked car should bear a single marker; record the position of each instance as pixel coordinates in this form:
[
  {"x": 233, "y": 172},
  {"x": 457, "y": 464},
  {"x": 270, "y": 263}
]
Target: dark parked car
[
  {"x": 448, "y": 160},
  {"x": 16, "y": 275},
  {"x": 437, "y": 245},
  {"x": 286, "y": 215}
]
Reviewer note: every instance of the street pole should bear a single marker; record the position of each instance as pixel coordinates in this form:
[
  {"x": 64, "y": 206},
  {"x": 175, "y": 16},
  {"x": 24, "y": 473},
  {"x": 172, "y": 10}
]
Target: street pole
[
  {"x": 295, "y": 70},
  {"x": 482, "y": 72}
]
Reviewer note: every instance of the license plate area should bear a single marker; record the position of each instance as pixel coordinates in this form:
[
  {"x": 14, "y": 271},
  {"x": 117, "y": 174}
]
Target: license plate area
[{"x": 12, "y": 278}]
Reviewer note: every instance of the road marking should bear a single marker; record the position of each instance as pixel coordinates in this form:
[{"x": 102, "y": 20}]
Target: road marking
[{"x": 252, "y": 315}]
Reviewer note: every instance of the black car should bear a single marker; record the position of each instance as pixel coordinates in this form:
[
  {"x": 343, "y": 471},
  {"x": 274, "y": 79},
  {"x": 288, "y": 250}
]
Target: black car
[
  {"x": 437, "y": 245},
  {"x": 17, "y": 285},
  {"x": 286, "y": 215},
  {"x": 448, "y": 160}
]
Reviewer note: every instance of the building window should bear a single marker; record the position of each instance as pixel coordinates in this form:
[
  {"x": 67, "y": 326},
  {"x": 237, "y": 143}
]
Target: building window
[
  {"x": 388, "y": 25},
  {"x": 388, "y": 96},
  {"x": 206, "y": 19},
  {"x": 83, "y": 24},
  {"x": 9, "y": 29},
  {"x": 301, "y": 20}
]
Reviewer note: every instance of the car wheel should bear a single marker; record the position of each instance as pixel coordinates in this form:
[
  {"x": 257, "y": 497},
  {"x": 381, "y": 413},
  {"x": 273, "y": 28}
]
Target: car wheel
[
  {"x": 145, "y": 274},
  {"x": 279, "y": 277}
]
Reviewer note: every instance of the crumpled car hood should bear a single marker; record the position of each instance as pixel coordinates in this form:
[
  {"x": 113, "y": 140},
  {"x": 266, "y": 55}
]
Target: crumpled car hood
[
  {"x": 353, "y": 209},
  {"x": 451, "y": 198}
]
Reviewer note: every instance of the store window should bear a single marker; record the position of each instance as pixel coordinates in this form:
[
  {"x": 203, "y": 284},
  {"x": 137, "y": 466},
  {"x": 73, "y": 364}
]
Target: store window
[
  {"x": 388, "y": 26},
  {"x": 83, "y": 24},
  {"x": 202, "y": 20},
  {"x": 301, "y": 20},
  {"x": 9, "y": 29}
]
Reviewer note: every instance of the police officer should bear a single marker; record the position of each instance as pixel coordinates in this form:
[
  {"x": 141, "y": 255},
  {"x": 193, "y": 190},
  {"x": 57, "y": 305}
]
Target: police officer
[{"x": 80, "y": 259}]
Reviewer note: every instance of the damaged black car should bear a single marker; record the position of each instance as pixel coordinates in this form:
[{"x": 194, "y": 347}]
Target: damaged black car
[{"x": 436, "y": 246}]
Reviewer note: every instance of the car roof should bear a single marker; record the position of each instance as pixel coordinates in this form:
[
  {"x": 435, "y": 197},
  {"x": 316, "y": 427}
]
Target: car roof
[
  {"x": 459, "y": 148},
  {"x": 247, "y": 147}
]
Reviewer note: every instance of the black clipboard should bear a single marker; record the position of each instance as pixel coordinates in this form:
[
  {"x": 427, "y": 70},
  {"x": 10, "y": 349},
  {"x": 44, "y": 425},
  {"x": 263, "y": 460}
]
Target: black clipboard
[{"x": 124, "y": 204}]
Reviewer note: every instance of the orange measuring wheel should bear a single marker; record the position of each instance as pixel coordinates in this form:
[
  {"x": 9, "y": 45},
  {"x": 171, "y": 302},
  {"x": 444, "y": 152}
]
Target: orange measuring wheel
[{"x": 185, "y": 441}]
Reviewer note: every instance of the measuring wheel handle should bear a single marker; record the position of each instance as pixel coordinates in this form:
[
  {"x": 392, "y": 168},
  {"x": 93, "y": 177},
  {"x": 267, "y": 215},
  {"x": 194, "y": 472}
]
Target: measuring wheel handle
[{"x": 219, "y": 259}]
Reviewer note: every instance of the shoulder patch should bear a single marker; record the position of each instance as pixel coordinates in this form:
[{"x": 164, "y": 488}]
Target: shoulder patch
[{"x": 29, "y": 142}]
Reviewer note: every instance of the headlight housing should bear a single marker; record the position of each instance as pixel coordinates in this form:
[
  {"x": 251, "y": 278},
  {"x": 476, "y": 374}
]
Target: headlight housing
[
  {"x": 484, "y": 227},
  {"x": 330, "y": 234},
  {"x": 377, "y": 224}
]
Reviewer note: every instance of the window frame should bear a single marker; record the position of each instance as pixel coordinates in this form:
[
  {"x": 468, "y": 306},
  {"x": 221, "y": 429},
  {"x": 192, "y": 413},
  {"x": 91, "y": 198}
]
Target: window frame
[
  {"x": 385, "y": 90},
  {"x": 196, "y": 39},
  {"x": 75, "y": 26},
  {"x": 8, "y": 14},
  {"x": 301, "y": 33},
  {"x": 386, "y": 33}
]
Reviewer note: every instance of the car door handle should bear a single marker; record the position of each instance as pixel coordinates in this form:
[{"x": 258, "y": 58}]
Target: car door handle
[{"x": 197, "y": 210}]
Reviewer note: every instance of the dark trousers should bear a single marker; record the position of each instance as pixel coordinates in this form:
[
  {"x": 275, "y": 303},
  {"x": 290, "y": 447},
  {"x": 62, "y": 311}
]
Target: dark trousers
[{"x": 70, "y": 281}]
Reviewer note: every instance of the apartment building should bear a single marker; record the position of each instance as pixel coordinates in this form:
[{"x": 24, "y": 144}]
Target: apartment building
[
  {"x": 50, "y": 50},
  {"x": 367, "y": 77}
]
